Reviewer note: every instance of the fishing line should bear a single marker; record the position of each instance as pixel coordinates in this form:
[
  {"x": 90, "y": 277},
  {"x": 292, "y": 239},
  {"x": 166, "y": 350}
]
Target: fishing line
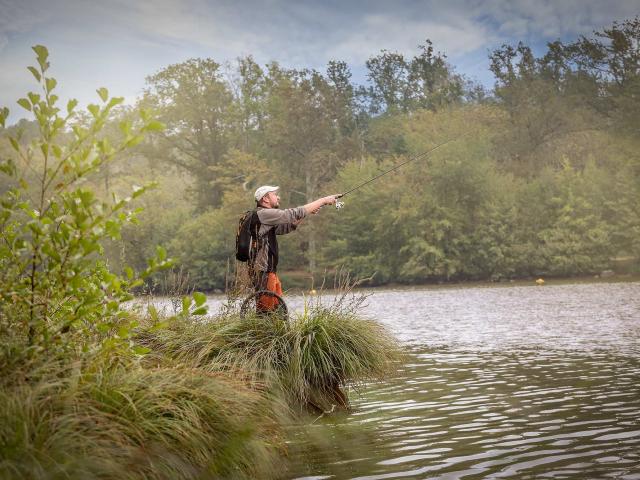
[{"x": 341, "y": 204}]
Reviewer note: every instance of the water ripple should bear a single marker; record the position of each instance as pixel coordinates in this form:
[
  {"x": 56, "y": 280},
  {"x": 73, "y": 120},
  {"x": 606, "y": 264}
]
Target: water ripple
[{"x": 500, "y": 383}]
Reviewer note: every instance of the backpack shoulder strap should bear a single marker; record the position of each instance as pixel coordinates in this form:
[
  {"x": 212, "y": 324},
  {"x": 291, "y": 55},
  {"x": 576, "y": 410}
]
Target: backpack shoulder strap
[{"x": 254, "y": 225}]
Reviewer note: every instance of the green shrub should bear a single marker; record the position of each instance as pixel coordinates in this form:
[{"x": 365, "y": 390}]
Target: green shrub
[{"x": 55, "y": 289}]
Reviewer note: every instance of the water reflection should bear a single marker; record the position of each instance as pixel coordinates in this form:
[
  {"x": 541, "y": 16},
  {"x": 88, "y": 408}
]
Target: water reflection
[{"x": 497, "y": 383}]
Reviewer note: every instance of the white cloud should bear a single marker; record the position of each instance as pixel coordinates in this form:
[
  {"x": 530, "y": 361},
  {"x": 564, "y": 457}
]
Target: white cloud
[
  {"x": 197, "y": 22},
  {"x": 550, "y": 19},
  {"x": 117, "y": 42},
  {"x": 377, "y": 32}
]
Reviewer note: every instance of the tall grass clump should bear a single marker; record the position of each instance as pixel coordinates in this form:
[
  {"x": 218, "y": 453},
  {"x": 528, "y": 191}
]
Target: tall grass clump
[
  {"x": 310, "y": 360},
  {"x": 120, "y": 420},
  {"x": 335, "y": 349}
]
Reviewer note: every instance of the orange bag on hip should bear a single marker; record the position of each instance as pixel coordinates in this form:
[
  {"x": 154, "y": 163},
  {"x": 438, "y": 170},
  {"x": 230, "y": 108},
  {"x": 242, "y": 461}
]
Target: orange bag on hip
[{"x": 267, "y": 303}]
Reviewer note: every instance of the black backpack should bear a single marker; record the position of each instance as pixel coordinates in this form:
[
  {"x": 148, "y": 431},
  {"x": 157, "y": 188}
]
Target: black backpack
[{"x": 246, "y": 237}]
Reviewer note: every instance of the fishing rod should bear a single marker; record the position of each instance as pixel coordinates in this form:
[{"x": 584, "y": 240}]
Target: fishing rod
[{"x": 423, "y": 154}]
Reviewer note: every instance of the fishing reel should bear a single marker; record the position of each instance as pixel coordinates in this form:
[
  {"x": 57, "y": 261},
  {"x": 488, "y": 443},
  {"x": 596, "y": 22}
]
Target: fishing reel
[{"x": 338, "y": 204}]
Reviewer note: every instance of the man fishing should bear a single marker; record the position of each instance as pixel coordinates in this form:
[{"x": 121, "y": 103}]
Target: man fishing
[{"x": 268, "y": 221}]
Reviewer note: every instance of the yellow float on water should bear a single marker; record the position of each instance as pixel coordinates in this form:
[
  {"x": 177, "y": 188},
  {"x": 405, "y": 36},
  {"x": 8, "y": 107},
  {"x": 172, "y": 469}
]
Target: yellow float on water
[{"x": 540, "y": 281}]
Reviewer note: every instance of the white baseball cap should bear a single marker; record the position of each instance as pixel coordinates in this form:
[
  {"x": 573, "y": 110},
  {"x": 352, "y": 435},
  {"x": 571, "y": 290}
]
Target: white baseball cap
[{"x": 263, "y": 190}]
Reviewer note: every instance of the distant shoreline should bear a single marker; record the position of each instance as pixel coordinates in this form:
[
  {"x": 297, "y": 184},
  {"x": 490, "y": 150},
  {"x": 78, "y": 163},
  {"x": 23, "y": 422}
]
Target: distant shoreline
[{"x": 522, "y": 282}]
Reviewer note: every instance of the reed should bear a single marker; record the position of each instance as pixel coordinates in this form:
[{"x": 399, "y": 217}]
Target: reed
[{"x": 122, "y": 420}]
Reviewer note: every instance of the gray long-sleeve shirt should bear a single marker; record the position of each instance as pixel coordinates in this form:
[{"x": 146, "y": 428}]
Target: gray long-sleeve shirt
[{"x": 280, "y": 220}]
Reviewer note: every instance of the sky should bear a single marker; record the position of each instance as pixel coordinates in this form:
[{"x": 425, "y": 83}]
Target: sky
[{"x": 117, "y": 43}]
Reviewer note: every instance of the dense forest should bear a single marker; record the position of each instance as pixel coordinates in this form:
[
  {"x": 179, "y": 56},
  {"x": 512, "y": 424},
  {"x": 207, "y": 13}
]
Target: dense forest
[{"x": 543, "y": 177}]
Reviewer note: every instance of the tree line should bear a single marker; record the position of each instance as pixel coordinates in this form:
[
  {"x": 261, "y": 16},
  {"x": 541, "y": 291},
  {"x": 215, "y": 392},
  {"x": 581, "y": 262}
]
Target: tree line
[{"x": 545, "y": 179}]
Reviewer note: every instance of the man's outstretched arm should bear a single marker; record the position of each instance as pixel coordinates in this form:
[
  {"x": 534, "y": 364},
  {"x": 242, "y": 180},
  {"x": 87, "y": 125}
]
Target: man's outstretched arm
[
  {"x": 287, "y": 219},
  {"x": 314, "y": 206}
]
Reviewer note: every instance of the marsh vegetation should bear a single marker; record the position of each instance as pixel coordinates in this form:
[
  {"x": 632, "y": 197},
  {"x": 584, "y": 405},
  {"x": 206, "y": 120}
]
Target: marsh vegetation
[{"x": 91, "y": 388}]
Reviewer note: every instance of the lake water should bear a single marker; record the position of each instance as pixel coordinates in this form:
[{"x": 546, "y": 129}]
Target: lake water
[{"x": 498, "y": 382}]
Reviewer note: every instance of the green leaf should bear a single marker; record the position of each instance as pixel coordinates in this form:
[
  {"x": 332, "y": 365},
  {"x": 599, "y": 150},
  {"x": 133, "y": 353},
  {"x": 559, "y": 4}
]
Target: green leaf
[
  {"x": 14, "y": 144},
  {"x": 58, "y": 123},
  {"x": 112, "y": 229},
  {"x": 94, "y": 109},
  {"x": 161, "y": 253},
  {"x": 7, "y": 167},
  {"x": 43, "y": 54},
  {"x": 4, "y": 113},
  {"x": 103, "y": 327},
  {"x": 79, "y": 131},
  {"x": 135, "y": 141},
  {"x": 33, "y": 97},
  {"x": 103, "y": 93},
  {"x": 140, "y": 350},
  {"x": 41, "y": 51},
  {"x": 35, "y": 73},
  {"x": 160, "y": 326},
  {"x": 128, "y": 272},
  {"x": 186, "y": 302},
  {"x": 155, "y": 126},
  {"x": 35, "y": 228},
  {"x": 115, "y": 101},
  {"x": 71, "y": 104},
  {"x": 106, "y": 147},
  {"x": 200, "y": 311},
  {"x": 24, "y": 103},
  {"x": 200, "y": 298},
  {"x": 125, "y": 127},
  {"x": 48, "y": 249},
  {"x": 50, "y": 84},
  {"x": 137, "y": 190}
]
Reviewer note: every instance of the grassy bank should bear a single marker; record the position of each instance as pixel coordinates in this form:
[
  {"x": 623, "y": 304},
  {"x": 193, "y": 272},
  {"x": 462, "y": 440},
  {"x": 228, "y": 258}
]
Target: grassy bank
[
  {"x": 214, "y": 397},
  {"x": 118, "y": 418}
]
